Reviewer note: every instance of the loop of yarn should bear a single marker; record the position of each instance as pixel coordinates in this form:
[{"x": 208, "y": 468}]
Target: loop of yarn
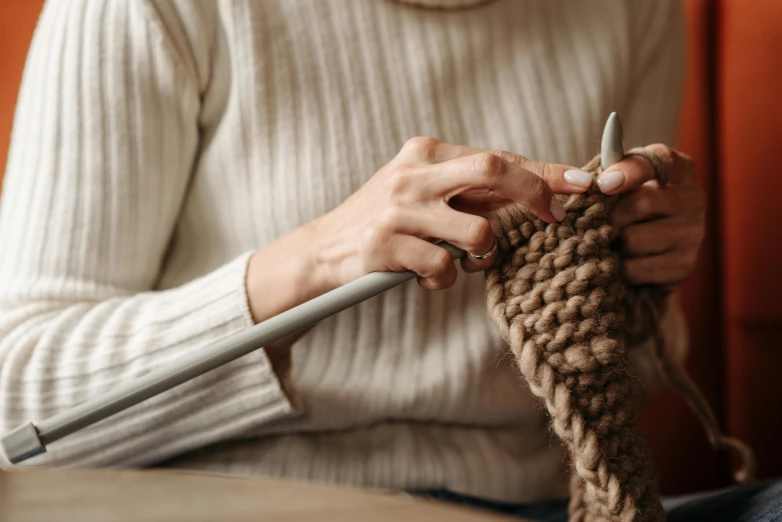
[{"x": 558, "y": 300}]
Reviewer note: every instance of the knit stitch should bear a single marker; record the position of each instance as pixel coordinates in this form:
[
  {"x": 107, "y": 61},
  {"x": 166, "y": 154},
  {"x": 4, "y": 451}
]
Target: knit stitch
[{"x": 559, "y": 301}]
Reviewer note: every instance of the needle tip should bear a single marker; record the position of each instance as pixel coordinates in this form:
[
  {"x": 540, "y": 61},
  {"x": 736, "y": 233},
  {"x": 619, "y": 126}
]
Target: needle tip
[{"x": 611, "y": 145}]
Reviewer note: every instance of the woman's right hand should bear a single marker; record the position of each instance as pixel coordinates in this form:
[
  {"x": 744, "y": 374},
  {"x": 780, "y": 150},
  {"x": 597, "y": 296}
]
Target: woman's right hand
[
  {"x": 433, "y": 190},
  {"x": 430, "y": 190}
]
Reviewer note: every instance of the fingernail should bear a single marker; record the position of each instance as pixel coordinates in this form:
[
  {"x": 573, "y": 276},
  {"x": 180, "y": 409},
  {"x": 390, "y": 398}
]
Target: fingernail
[
  {"x": 557, "y": 209},
  {"x": 608, "y": 181},
  {"x": 578, "y": 178}
]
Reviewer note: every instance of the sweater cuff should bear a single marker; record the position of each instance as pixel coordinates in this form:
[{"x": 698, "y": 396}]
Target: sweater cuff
[{"x": 223, "y": 403}]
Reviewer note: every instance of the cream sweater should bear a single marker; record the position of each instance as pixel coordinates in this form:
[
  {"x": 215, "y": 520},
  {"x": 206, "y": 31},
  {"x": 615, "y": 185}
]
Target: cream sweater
[{"x": 157, "y": 143}]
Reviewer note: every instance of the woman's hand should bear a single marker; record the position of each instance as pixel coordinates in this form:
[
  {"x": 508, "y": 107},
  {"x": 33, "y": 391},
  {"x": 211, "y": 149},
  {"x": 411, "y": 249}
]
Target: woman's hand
[
  {"x": 661, "y": 228},
  {"x": 433, "y": 190}
]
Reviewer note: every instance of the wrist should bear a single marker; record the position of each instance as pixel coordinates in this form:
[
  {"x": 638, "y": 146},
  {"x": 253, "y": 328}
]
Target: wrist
[
  {"x": 284, "y": 274},
  {"x": 332, "y": 259}
]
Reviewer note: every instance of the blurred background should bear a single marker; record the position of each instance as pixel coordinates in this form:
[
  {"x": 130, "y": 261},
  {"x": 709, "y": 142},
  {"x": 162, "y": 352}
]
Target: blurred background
[{"x": 731, "y": 123}]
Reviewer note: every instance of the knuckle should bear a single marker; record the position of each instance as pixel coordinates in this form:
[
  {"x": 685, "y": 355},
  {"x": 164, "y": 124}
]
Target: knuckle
[
  {"x": 507, "y": 157},
  {"x": 488, "y": 165},
  {"x": 538, "y": 190},
  {"x": 422, "y": 146},
  {"x": 685, "y": 159},
  {"x": 440, "y": 262},
  {"x": 390, "y": 218},
  {"x": 546, "y": 171},
  {"x": 399, "y": 185},
  {"x": 644, "y": 201},
  {"x": 374, "y": 240},
  {"x": 680, "y": 164},
  {"x": 478, "y": 232},
  {"x": 662, "y": 151}
]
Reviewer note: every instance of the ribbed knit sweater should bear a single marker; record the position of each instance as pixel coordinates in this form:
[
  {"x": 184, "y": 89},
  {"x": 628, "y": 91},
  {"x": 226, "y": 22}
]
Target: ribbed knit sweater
[{"x": 157, "y": 144}]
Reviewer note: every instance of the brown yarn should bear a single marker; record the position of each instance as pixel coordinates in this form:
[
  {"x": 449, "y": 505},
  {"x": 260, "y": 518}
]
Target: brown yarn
[{"x": 557, "y": 297}]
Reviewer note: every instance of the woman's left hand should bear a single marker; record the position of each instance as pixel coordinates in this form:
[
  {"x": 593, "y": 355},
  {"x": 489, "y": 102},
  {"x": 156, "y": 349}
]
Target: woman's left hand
[{"x": 661, "y": 228}]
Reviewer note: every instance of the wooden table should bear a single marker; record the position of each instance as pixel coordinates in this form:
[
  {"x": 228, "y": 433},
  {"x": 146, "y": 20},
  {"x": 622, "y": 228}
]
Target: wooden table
[{"x": 108, "y": 495}]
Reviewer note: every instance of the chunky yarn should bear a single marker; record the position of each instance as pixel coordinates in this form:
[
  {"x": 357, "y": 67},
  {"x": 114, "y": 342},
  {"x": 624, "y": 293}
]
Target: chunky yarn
[{"x": 557, "y": 297}]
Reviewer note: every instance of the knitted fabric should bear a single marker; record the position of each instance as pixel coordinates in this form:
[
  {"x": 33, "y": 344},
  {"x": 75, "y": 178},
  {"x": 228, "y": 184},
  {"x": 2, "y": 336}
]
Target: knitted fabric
[{"x": 557, "y": 297}]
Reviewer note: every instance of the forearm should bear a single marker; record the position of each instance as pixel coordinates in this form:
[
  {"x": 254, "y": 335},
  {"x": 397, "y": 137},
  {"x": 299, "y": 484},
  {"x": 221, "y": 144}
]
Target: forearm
[{"x": 55, "y": 354}]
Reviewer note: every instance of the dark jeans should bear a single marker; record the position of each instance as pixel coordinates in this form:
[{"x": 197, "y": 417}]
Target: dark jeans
[{"x": 759, "y": 502}]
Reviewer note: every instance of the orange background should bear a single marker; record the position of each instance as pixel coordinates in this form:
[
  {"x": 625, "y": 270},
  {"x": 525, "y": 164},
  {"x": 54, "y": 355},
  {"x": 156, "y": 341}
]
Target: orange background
[
  {"x": 731, "y": 124},
  {"x": 17, "y": 21}
]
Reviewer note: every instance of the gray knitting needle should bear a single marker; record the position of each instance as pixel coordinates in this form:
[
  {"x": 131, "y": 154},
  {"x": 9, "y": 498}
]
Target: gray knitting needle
[
  {"x": 612, "y": 149},
  {"x": 29, "y": 440}
]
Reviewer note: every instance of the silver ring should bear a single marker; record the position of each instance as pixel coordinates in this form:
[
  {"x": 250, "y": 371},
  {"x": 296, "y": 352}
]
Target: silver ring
[{"x": 487, "y": 254}]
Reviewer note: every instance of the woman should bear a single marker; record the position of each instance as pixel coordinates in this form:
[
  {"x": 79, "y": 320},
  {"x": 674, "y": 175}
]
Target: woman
[{"x": 181, "y": 170}]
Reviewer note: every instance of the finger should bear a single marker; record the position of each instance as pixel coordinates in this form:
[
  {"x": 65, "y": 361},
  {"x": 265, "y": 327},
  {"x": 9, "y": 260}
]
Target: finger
[
  {"x": 630, "y": 173},
  {"x": 634, "y": 171},
  {"x": 489, "y": 171},
  {"x": 471, "y": 233},
  {"x": 672, "y": 268},
  {"x": 660, "y": 237},
  {"x": 466, "y": 231},
  {"x": 680, "y": 166},
  {"x": 563, "y": 179},
  {"x": 652, "y": 202},
  {"x": 471, "y": 265},
  {"x": 433, "y": 264}
]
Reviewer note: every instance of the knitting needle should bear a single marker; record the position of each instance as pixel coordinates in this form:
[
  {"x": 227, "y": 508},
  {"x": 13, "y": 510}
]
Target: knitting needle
[
  {"x": 29, "y": 440},
  {"x": 612, "y": 148}
]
